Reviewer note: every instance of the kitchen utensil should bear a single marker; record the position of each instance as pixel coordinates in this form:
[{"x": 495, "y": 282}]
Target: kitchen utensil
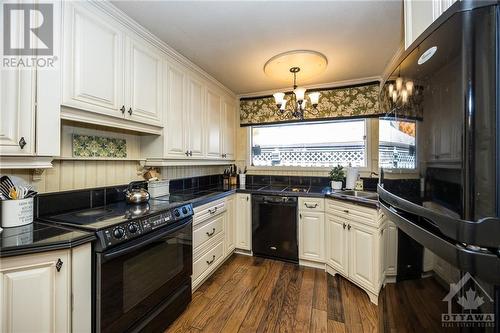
[
  {"x": 136, "y": 193},
  {"x": 13, "y": 193}
]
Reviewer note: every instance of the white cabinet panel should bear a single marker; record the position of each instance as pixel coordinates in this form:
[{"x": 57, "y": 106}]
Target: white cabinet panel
[
  {"x": 230, "y": 223},
  {"x": 93, "y": 61},
  {"x": 213, "y": 124},
  {"x": 363, "y": 254},
  {"x": 175, "y": 134},
  {"x": 336, "y": 244},
  {"x": 312, "y": 236},
  {"x": 145, "y": 75},
  {"x": 17, "y": 112},
  {"x": 196, "y": 117},
  {"x": 391, "y": 249},
  {"x": 229, "y": 129},
  {"x": 243, "y": 221}
]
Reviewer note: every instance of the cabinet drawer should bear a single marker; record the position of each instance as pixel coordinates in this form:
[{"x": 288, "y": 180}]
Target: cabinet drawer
[
  {"x": 312, "y": 204},
  {"x": 351, "y": 212},
  {"x": 207, "y": 230},
  {"x": 208, "y": 260},
  {"x": 207, "y": 211}
]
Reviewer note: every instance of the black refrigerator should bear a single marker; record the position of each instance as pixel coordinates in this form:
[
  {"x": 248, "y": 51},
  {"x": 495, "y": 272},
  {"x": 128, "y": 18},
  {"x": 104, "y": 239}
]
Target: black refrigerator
[{"x": 440, "y": 175}]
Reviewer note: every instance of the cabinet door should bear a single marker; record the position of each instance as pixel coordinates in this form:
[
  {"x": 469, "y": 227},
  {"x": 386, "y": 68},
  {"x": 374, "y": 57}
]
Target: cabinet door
[
  {"x": 312, "y": 236},
  {"x": 213, "y": 124},
  {"x": 229, "y": 227},
  {"x": 363, "y": 254},
  {"x": 175, "y": 134},
  {"x": 229, "y": 129},
  {"x": 337, "y": 247},
  {"x": 93, "y": 61},
  {"x": 196, "y": 115},
  {"x": 391, "y": 249},
  {"x": 35, "y": 296},
  {"x": 144, "y": 78},
  {"x": 17, "y": 102},
  {"x": 243, "y": 222}
]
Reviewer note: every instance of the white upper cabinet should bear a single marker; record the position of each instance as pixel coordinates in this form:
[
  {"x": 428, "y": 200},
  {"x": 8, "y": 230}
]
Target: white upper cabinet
[
  {"x": 213, "y": 124},
  {"x": 418, "y": 15},
  {"x": 144, "y": 67},
  {"x": 93, "y": 61},
  {"x": 175, "y": 133},
  {"x": 196, "y": 117},
  {"x": 228, "y": 129},
  {"x": 17, "y": 117}
]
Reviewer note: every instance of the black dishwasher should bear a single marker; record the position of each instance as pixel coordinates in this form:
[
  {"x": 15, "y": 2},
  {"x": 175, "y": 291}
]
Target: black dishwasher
[{"x": 274, "y": 227}]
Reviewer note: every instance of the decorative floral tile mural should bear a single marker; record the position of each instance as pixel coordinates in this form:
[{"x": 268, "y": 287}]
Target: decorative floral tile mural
[{"x": 98, "y": 146}]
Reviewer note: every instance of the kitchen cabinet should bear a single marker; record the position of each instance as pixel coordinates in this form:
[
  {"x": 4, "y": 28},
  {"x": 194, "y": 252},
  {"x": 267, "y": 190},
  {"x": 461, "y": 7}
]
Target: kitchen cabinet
[
  {"x": 229, "y": 226},
  {"x": 228, "y": 129},
  {"x": 243, "y": 221},
  {"x": 354, "y": 245},
  {"x": 312, "y": 236},
  {"x": 418, "y": 15},
  {"x": 38, "y": 295},
  {"x": 29, "y": 104},
  {"x": 195, "y": 117},
  {"x": 176, "y": 131},
  {"x": 213, "y": 125},
  {"x": 110, "y": 71},
  {"x": 390, "y": 241}
]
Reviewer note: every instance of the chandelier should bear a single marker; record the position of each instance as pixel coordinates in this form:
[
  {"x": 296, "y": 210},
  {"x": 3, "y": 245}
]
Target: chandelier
[{"x": 298, "y": 100}]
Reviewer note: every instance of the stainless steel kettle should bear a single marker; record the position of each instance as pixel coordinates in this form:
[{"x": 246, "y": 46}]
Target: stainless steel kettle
[{"x": 136, "y": 193}]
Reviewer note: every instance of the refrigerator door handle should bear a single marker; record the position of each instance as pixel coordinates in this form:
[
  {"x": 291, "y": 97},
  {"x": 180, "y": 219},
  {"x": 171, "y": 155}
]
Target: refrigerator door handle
[{"x": 483, "y": 264}]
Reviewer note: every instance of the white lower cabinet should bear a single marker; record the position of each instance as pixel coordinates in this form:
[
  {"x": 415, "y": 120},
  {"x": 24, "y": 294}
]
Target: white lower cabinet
[
  {"x": 243, "y": 221},
  {"x": 36, "y": 291},
  {"x": 213, "y": 237},
  {"x": 311, "y": 230},
  {"x": 354, "y": 245}
]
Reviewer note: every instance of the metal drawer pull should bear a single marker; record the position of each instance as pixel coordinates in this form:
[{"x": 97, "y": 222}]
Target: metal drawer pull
[
  {"x": 343, "y": 225},
  {"x": 348, "y": 227},
  {"x": 22, "y": 142},
  {"x": 346, "y": 211},
  {"x": 210, "y": 262},
  {"x": 311, "y": 206},
  {"x": 210, "y": 234},
  {"x": 130, "y": 111},
  {"x": 212, "y": 211},
  {"x": 122, "y": 109}
]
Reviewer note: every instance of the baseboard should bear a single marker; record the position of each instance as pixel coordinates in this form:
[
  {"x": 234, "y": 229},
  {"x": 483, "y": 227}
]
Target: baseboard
[{"x": 313, "y": 264}]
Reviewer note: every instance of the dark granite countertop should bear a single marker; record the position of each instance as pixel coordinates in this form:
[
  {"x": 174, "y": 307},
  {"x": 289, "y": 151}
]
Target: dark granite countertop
[
  {"x": 201, "y": 197},
  {"x": 39, "y": 237}
]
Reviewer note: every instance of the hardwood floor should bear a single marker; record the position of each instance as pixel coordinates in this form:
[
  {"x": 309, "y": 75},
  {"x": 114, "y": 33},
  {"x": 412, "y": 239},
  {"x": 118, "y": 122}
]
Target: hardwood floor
[{"x": 250, "y": 294}]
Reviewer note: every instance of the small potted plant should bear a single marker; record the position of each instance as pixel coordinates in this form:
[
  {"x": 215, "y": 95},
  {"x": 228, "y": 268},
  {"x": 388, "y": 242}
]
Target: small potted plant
[{"x": 337, "y": 176}]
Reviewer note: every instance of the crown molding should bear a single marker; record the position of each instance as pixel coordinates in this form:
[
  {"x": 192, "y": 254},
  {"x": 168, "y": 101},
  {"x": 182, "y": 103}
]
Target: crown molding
[
  {"x": 127, "y": 21},
  {"x": 335, "y": 84},
  {"x": 392, "y": 62}
]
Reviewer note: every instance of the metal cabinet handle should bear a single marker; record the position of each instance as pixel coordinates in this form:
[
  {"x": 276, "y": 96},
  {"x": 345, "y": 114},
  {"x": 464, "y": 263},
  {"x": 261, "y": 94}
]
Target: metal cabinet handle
[
  {"x": 186, "y": 153},
  {"x": 130, "y": 111},
  {"x": 300, "y": 215},
  {"x": 346, "y": 211},
  {"x": 310, "y": 206},
  {"x": 59, "y": 264},
  {"x": 122, "y": 109},
  {"x": 348, "y": 227},
  {"x": 22, "y": 142},
  {"x": 210, "y": 234},
  {"x": 212, "y": 211},
  {"x": 210, "y": 262},
  {"x": 247, "y": 198},
  {"x": 343, "y": 225},
  {"x": 190, "y": 153}
]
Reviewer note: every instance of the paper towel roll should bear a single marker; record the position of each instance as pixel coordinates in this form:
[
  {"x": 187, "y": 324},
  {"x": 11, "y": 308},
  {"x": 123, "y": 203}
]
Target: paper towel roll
[{"x": 351, "y": 177}]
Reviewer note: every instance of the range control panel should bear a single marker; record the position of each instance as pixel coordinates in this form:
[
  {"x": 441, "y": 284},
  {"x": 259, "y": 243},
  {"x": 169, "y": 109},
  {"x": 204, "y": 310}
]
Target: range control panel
[{"x": 136, "y": 227}]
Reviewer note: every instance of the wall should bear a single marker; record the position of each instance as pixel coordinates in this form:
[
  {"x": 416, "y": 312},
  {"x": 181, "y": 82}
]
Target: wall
[{"x": 70, "y": 173}]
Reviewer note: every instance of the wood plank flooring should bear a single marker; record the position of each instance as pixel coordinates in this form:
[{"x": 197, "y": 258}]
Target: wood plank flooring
[{"x": 250, "y": 294}]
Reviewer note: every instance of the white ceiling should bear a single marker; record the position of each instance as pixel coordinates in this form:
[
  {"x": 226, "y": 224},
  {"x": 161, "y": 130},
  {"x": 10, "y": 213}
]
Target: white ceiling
[{"x": 232, "y": 40}]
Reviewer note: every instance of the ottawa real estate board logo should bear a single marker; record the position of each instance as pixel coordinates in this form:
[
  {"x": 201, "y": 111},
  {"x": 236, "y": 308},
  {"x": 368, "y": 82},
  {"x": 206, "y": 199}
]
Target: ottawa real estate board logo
[
  {"x": 475, "y": 302},
  {"x": 28, "y": 35}
]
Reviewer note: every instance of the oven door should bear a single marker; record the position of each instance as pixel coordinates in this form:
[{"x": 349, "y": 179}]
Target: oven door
[{"x": 138, "y": 277}]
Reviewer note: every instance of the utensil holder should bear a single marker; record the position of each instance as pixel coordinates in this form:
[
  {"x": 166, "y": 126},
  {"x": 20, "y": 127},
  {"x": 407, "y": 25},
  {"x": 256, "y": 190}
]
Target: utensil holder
[
  {"x": 16, "y": 213},
  {"x": 243, "y": 179}
]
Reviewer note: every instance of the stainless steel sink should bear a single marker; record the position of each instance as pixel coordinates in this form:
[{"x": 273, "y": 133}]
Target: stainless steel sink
[{"x": 359, "y": 194}]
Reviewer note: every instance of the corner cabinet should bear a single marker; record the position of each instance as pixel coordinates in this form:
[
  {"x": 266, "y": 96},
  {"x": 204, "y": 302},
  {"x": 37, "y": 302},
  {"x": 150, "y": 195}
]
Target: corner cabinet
[
  {"x": 243, "y": 221},
  {"x": 38, "y": 291}
]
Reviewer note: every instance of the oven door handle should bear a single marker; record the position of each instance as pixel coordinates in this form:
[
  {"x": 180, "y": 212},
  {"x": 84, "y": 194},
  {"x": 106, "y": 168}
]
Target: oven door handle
[{"x": 134, "y": 246}]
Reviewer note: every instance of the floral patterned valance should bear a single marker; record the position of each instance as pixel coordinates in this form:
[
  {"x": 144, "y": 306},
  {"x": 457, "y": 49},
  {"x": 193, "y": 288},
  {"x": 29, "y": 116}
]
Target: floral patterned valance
[{"x": 336, "y": 103}]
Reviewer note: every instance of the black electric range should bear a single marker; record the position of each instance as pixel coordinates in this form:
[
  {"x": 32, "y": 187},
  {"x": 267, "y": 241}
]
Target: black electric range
[{"x": 143, "y": 260}]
